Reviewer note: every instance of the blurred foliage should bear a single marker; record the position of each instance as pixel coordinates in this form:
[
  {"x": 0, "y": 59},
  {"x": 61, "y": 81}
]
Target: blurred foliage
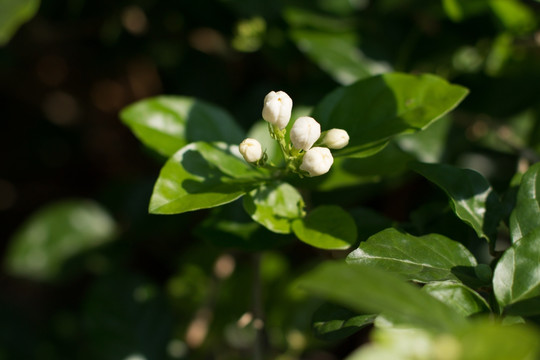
[{"x": 101, "y": 278}]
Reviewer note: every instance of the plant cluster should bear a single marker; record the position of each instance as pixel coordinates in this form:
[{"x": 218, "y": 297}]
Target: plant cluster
[{"x": 395, "y": 205}]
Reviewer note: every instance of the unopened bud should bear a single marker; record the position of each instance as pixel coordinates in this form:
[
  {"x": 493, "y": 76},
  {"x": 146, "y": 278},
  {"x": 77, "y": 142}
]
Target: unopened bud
[
  {"x": 317, "y": 161},
  {"x": 277, "y": 109},
  {"x": 305, "y": 132},
  {"x": 336, "y": 139},
  {"x": 251, "y": 150}
]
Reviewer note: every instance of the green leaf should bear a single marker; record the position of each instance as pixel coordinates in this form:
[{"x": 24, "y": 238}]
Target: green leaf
[
  {"x": 526, "y": 215},
  {"x": 390, "y": 162},
  {"x": 338, "y": 55},
  {"x": 486, "y": 340},
  {"x": 479, "y": 340},
  {"x": 370, "y": 290},
  {"x": 333, "y": 322},
  {"x": 14, "y": 13},
  {"x": 461, "y": 298},
  {"x": 427, "y": 258},
  {"x": 517, "y": 274},
  {"x": 458, "y": 10},
  {"x": 56, "y": 233},
  {"x": 275, "y": 206},
  {"x": 202, "y": 175},
  {"x": 167, "y": 123},
  {"x": 514, "y": 16},
  {"x": 375, "y": 109},
  {"x": 471, "y": 197},
  {"x": 259, "y": 131},
  {"x": 427, "y": 145},
  {"x": 326, "y": 227}
]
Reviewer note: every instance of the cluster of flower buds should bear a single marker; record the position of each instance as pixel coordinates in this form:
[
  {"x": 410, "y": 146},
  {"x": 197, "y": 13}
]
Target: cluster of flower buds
[{"x": 308, "y": 152}]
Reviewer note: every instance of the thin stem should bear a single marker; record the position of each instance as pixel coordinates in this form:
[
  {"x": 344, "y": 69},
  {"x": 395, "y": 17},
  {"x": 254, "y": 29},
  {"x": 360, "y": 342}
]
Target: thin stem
[{"x": 258, "y": 313}]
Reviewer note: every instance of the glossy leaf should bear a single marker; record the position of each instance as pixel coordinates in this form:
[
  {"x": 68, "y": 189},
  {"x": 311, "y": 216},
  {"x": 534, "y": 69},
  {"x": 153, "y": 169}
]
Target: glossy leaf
[
  {"x": 472, "y": 198},
  {"x": 332, "y": 322},
  {"x": 370, "y": 290},
  {"x": 14, "y": 13},
  {"x": 326, "y": 227},
  {"x": 275, "y": 206},
  {"x": 461, "y": 298},
  {"x": 56, "y": 233},
  {"x": 167, "y": 123},
  {"x": 375, "y": 109},
  {"x": 427, "y": 258},
  {"x": 526, "y": 215},
  {"x": 517, "y": 274},
  {"x": 202, "y": 175},
  {"x": 337, "y": 54}
]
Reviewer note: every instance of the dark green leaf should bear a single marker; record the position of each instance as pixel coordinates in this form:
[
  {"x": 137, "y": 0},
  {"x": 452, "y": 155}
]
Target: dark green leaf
[
  {"x": 375, "y": 109},
  {"x": 326, "y": 227},
  {"x": 427, "y": 258},
  {"x": 517, "y": 274},
  {"x": 370, "y": 290},
  {"x": 338, "y": 54},
  {"x": 427, "y": 145},
  {"x": 167, "y": 123},
  {"x": 369, "y": 222},
  {"x": 14, "y": 13},
  {"x": 332, "y": 322},
  {"x": 56, "y": 233},
  {"x": 526, "y": 214},
  {"x": 275, "y": 205},
  {"x": 472, "y": 198},
  {"x": 461, "y": 298},
  {"x": 202, "y": 175}
]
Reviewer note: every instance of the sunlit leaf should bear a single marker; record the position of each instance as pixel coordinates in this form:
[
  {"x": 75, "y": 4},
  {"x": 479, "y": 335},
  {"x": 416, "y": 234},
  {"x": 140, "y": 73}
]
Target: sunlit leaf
[
  {"x": 517, "y": 274},
  {"x": 326, "y": 227},
  {"x": 56, "y": 233},
  {"x": 472, "y": 198},
  {"x": 461, "y": 298},
  {"x": 427, "y": 258},
  {"x": 275, "y": 206},
  {"x": 479, "y": 340},
  {"x": 375, "y": 109},
  {"x": 167, "y": 123},
  {"x": 202, "y": 175},
  {"x": 526, "y": 214},
  {"x": 515, "y": 16},
  {"x": 14, "y": 13}
]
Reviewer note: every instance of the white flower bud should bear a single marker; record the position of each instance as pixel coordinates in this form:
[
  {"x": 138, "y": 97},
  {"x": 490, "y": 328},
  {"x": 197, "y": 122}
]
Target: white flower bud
[
  {"x": 277, "y": 108},
  {"x": 251, "y": 150},
  {"x": 336, "y": 139},
  {"x": 317, "y": 161},
  {"x": 305, "y": 132}
]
